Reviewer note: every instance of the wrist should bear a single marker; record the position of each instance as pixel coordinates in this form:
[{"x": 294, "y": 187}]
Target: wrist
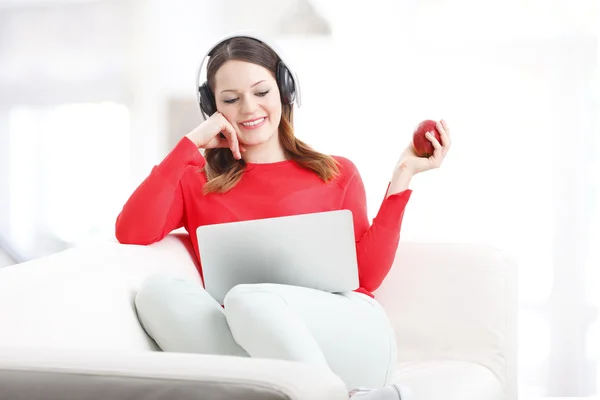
[
  {"x": 404, "y": 171},
  {"x": 400, "y": 180},
  {"x": 194, "y": 141}
]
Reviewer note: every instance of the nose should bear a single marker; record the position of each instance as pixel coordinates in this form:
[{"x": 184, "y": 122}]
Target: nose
[{"x": 249, "y": 104}]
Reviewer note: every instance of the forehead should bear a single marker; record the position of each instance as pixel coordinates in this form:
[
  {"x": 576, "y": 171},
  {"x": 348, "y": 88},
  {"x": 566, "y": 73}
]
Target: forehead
[{"x": 240, "y": 75}]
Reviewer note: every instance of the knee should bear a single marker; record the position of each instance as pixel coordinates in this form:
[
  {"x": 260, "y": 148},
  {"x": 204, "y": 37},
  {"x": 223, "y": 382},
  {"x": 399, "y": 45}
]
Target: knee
[
  {"x": 156, "y": 283},
  {"x": 156, "y": 289},
  {"x": 238, "y": 296},
  {"x": 247, "y": 297}
]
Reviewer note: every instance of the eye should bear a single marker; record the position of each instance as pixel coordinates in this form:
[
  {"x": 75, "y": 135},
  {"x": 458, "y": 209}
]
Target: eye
[
  {"x": 262, "y": 94},
  {"x": 230, "y": 101}
]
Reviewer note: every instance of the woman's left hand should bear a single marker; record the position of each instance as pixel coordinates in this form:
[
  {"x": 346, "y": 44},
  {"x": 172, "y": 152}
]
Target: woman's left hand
[{"x": 410, "y": 162}]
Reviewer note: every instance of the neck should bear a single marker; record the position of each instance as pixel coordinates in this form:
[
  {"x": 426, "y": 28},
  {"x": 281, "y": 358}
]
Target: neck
[{"x": 268, "y": 152}]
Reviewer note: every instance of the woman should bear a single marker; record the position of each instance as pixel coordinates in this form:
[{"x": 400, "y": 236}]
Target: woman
[{"x": 254, "y": 167}]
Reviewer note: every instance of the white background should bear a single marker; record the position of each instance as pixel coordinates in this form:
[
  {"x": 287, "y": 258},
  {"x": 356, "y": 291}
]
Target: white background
[{"x": 84, "y": 102}]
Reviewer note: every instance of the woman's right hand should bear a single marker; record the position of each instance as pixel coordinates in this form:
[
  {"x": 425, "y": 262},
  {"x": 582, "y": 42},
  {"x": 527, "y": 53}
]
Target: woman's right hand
[{"x": 216, "y": 132}]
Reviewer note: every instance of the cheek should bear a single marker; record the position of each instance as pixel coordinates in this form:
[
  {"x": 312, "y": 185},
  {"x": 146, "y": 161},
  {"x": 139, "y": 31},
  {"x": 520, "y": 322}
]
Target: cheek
[
  {"x": 274, "y": 107},
  {"x": 229, "y": 113}
]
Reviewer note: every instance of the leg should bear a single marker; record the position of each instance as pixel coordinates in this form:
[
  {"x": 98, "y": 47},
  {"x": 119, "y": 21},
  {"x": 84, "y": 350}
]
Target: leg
[
  {"x": 347, "y": 332},
  {"x": 182, "y": 317}
]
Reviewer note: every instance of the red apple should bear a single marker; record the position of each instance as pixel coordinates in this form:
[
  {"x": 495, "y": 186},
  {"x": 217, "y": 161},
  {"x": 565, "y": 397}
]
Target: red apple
[{"x": 423, "y": 147}]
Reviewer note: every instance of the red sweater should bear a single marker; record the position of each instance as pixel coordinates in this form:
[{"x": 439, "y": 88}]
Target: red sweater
[{"x": 171, "y": 197}]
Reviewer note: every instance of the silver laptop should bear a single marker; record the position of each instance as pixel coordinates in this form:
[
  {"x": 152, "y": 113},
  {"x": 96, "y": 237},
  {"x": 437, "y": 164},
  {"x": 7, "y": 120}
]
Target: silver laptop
[{"x": 314, "y": 250}]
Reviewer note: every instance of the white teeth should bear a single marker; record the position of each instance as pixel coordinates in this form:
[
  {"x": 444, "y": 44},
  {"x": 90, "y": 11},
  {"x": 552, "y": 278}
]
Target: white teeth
[{"x": 255, "y": 122}]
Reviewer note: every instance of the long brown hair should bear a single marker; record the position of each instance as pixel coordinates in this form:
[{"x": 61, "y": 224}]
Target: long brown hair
[{"x": 222, "y": 169}]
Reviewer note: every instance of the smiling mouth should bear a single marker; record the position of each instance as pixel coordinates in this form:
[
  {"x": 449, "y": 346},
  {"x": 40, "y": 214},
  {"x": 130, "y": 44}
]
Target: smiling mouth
[{"x": 253, "y": 123}]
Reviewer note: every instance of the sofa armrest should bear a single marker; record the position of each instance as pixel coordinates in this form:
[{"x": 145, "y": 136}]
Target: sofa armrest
[
  {"x": 455, "y": 302},
  {"x": 38, "y": 374},
  {"x": 84, "y": 297},
  {"x": 174, "y": 254}
]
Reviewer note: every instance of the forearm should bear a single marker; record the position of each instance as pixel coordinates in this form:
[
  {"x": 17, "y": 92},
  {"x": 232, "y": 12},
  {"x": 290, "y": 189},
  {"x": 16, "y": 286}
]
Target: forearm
[
  {"x": 154, "y": 209},
  {"x": 156, "y": 206},
  {"x": 377, "y": 247},
  {"x": 400, "y": 180}
]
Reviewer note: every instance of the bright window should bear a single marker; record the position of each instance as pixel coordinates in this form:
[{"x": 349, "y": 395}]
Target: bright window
[{"x": 69, "y": 170}]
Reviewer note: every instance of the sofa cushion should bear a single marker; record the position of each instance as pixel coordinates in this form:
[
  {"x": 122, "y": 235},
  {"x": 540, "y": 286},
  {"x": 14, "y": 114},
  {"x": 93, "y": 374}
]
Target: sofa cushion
[{"x": 448, "y": 380}]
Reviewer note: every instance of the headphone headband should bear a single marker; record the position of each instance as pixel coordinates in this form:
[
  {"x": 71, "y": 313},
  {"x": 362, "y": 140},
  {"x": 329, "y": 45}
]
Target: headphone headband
[{"x": 297, "y": 98}]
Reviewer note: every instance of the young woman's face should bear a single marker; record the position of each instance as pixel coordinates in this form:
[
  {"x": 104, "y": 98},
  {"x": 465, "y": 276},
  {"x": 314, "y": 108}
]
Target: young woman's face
[{"x": 248, "y": 96}]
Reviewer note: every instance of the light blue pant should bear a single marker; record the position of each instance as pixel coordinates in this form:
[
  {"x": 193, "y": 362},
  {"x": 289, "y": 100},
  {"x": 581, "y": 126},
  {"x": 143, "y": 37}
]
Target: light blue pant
[{"x": 347, "y": 332}]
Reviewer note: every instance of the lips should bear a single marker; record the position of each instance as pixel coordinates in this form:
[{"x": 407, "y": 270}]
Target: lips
[{"x": 253, "y": 123}]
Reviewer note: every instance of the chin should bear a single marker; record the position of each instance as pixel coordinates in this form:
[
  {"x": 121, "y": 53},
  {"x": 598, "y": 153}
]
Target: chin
[{"x": 255, "y": 138}]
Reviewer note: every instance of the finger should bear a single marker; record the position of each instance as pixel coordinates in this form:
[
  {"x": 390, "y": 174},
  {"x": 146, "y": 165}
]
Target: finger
[
  {"x": 233, "y": 142},
  {"x": 437, "y": 148},
  {"x": 433, "y": 140},
  {"x": 447, "y": 129},
  {"x": 445, "y": 138},
  {"x": 445, "y": 125},
  {"x": 231, "y": 135},
  {"x": 237, "y": 147}
]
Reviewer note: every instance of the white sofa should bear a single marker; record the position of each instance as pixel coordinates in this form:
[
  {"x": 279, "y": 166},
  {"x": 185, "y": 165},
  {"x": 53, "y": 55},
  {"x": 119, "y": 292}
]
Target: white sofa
[{"x": 68, "y": 330}]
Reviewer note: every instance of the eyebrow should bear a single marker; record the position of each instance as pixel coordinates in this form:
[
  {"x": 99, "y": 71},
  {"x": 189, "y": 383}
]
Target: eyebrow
[{"x": 231, "y": 90}]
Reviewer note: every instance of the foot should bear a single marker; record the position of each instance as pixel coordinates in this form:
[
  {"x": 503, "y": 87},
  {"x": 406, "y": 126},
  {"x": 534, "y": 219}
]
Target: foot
[{"x": 390, "y": 392}]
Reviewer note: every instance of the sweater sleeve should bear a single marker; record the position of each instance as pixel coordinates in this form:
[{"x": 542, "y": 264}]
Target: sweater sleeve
[
  {"x": 156, "y": 206},
  {"x": 376, "y": 243}
]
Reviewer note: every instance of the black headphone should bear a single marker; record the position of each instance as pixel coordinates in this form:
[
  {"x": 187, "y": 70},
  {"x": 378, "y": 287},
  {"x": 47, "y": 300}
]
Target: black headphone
[{"x": 287, "y": 81}]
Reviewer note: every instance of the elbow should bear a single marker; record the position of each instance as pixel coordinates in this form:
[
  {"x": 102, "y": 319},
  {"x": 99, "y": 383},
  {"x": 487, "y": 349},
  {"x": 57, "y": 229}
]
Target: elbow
[
  {"x": 373, "y": 271},
  {"x": 370, "y": 283},
  {"x": 127, "y": 233},
  {"x": 122, "y": 231},
  {"x": 124, "y": 237},
  {"x": 372, "y": 277},
  {"x": 372, "y": 287},
  {"x": 132, "y": 237}
]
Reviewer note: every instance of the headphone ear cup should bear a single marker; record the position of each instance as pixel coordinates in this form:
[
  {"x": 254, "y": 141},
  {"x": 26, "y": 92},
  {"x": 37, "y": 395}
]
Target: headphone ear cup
[
  {"x": 207, "y": 100},
  {"x": 287, "y": 89}
]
